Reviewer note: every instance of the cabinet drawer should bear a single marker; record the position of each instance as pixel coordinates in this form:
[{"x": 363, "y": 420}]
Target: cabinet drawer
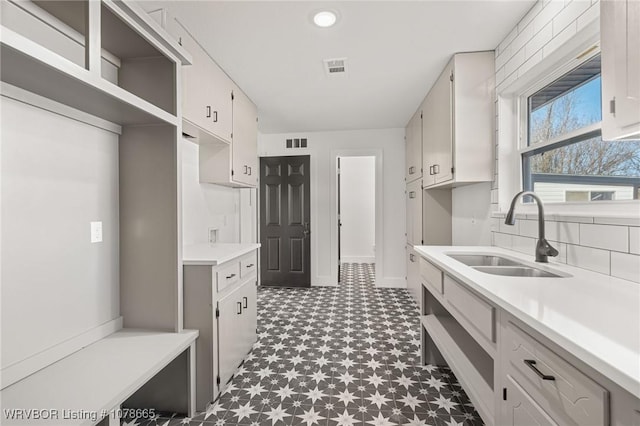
[
  {"x": 248, "y": 265},
  {"x": 568, "y": 395},
  {"x": 431, "y": 275},
  {"x": 227, "y": 275},
  {"x": 478, "y": 314}
]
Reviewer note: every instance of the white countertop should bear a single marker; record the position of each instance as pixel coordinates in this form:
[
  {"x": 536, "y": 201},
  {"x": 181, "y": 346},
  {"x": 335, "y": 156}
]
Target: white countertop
[
  {"x": 594, "y": 317},
  {"x": 214, "y": 254}
]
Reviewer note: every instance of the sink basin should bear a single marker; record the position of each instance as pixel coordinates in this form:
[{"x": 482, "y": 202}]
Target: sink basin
[
  {"x": 484, "y": 260},
  {"x": 516, "y": 271},
  {"x": 498, "y": 265}
]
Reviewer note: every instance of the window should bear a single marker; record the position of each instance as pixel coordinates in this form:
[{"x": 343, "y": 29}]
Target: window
[{"x": 565, "y": 158}]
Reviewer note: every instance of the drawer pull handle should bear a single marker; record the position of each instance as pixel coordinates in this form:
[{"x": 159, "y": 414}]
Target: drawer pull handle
[
  {"x": 532, "y": 365},
  {"x": 230, "y": 276},
  {"x": 246, "y": 301},
  {"x": 239, "y": 312},
  {"x": 250, "y": 265}
]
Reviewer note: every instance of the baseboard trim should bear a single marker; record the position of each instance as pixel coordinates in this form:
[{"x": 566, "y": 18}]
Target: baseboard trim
[
  {"x": 391, "y": 282},
  {"x": 358, "y": 259}
]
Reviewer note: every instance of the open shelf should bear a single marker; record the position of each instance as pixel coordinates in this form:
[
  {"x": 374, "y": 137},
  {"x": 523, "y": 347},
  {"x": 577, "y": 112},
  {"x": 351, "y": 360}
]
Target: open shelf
[
  {"x": 141, "y": 68},
  {"x": 56, "y": 78},
  {"x": 474, "y": 374}
]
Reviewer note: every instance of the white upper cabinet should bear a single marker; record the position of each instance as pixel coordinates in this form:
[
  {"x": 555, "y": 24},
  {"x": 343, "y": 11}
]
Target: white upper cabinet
[
  {"x": 219, "y": 117},
  {"x": 206, "y": 90},
  {"x": 620, "y": 41},
  {"x": 413, "y": 142},
  {"x": 245, "y": 140},
  {"x": 457, "y": 120}
]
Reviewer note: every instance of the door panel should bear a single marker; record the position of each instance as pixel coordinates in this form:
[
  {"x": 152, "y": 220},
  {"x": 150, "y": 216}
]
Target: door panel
[{"x": 285, "y": 221}]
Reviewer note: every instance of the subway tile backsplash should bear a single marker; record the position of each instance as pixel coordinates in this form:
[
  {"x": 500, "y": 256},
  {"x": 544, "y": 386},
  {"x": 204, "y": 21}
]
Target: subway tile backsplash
[{"x": 584, "y": 242}]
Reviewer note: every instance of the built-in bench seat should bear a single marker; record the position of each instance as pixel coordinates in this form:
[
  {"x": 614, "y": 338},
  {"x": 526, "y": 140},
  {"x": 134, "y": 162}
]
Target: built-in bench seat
[{"x": 92, "y": 383}]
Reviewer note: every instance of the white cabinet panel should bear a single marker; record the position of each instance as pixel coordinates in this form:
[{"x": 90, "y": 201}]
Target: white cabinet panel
[
  {"x": 414, "y": 213},
  {"x": 245, "y": 140},
  {"x": 620, "y": 39},
  {"x": 521, "y": 409},
  {"x": 413, "y": 150}
]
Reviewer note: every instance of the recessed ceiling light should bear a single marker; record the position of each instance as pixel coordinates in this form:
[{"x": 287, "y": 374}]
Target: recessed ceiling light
[{"x": 325, "y": 18}]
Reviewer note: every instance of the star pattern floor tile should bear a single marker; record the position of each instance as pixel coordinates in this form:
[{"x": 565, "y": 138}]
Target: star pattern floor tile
[{"x": 329, "y": 356}]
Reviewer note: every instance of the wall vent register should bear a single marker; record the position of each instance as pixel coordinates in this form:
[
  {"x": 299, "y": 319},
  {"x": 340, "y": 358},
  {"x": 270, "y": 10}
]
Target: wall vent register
[
  {"x": 296, "y": 143},
  {"x": 335, "y": 66}
]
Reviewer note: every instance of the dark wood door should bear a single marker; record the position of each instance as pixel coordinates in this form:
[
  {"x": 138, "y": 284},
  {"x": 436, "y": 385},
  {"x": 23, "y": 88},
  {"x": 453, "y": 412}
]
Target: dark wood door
[{"x": 285, "y": 255}]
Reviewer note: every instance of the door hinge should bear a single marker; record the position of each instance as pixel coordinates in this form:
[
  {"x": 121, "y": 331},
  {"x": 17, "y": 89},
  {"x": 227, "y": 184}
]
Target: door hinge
[
  {"x": 422, "y": 242},
  {"x": 452, "y": 169},
  {"x": 232, "y": 97},
  {"x": 612, "y": 106},
  {"x": 451, "y": 76},
  {"x": 504, "y": 394},
  {"x": 231, "y": 172},
  {"x": 421, "y": 114},
  {"x": 217, "y": 380},
  {"x": 217, "y": 312}
]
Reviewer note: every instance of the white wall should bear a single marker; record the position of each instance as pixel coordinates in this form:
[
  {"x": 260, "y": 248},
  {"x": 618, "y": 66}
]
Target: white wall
[
  {"x": 357, "y": 209},
  {"x": 206, "y": 205},
  {"x": 323, "y": 147},
  {"x": 58, "y": 175},
  {"x": 471, "y": 214}
]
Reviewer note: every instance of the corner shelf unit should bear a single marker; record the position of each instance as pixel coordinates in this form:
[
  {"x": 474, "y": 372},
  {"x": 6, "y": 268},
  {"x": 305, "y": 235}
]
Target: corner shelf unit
[
  {"x": 102, "y": 70},
  {"x": 107, "y": 63}
]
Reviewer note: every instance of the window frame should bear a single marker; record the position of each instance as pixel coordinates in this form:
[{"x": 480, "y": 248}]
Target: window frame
[{"x": 526, "y": 151}]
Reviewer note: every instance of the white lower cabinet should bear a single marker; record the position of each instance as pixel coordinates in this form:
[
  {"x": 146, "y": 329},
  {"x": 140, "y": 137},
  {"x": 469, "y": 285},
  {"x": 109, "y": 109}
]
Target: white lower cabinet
[
  {"x": 237, "y": 324},
  {"x": 520, "y": 409},
  {"x": 512, "y": 374},
  {"x": 221, "y": 302}
]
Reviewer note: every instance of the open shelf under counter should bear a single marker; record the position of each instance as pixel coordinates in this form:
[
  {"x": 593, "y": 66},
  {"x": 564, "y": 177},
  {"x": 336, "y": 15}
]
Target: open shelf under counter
[
  {"x": 28, "y": 65},
  {"x": 475, "y": 375}
]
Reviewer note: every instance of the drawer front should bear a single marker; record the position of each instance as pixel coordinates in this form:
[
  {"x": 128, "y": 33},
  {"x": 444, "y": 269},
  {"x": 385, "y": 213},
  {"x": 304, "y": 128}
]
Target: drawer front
[
  {"x": 562, "y": 390},
  {"x": 477, "y": 313},
  {"x": 431, "y": 275},
  {"x": 248, "y": 265},
  {"x": 227, "y": 275}
]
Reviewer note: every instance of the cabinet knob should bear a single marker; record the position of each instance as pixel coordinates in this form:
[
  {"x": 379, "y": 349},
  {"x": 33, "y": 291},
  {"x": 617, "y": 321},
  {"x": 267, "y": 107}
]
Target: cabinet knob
[
  {"x": 230, "y": 276},
  {"x": 412, "y": 194},
  {"x": 239, "y": 311},
  {"x": 250, "y": 265},
  {"x": 245, "y": 301},
  {"x": 532, "y": 365},
  {"x": 412, "y": 258},
  {"x": 412, "y": 170},
  {"x": 436, "y": 169},
  {"x": 208, "y": 111},
  {"x": 215, "y": 116}
]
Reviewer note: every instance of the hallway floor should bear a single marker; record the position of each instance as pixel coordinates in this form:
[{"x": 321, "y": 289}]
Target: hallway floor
[{"x": 346, "y": 355}]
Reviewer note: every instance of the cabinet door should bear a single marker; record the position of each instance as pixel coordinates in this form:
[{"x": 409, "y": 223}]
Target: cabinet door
[
  {"x": 520, "y": 409},
  {"x": 414, "y": 212},
  {"x": 231, "y": 347},
  {"x": 250, "y": 315},
  {"x": 220, "y": 101},
  {"x": 620, "y": 38},
  {"x": 443, "y": 137},
  {"x": 413, "y": 274},
  {"x": 245, "y": 140},
  {"x": 437, "y": 130},
  {"x": 195, "y": 84},
  {"x": 413, "y": 147}
]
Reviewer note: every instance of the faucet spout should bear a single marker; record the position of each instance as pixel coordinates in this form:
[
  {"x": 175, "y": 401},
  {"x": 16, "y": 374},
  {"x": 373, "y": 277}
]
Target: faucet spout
[{"x": 543, "y": 248}]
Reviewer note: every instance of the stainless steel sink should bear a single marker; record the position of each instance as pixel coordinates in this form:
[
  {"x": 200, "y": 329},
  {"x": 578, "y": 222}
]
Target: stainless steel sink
[
  {"x": 498, "y": 265},
  {"x": 516, "y": 271},
  {"x": 484, "y": 260}
]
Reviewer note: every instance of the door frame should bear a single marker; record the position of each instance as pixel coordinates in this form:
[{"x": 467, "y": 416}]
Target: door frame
[{"x": 379, "y": 211}]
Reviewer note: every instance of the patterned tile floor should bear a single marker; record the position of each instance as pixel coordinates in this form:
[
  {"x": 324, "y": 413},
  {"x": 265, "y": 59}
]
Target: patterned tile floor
[{"x": 346, "y": 355}]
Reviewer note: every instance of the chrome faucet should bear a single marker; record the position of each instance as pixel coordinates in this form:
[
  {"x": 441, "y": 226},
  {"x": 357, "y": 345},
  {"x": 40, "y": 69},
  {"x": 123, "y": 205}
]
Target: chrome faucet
[{"x": 543, "y": 248}]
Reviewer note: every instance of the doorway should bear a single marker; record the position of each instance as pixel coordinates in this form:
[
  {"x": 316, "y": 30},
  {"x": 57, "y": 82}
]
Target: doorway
[
  {"x": 285, "y": 228},
  {"x": 356, "y": 210}
]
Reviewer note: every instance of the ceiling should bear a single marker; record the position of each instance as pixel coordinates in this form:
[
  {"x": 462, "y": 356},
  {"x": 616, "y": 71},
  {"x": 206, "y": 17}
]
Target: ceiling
[{"x": 394, "y": 49}]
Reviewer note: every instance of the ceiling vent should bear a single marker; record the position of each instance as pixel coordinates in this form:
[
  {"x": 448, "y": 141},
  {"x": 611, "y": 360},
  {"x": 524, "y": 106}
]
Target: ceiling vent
[{"x": 337, "y": 66}]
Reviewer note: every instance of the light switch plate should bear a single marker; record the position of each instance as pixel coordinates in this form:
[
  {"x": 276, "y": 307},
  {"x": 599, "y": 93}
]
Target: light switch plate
[{"x": 96, "y": 232}]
